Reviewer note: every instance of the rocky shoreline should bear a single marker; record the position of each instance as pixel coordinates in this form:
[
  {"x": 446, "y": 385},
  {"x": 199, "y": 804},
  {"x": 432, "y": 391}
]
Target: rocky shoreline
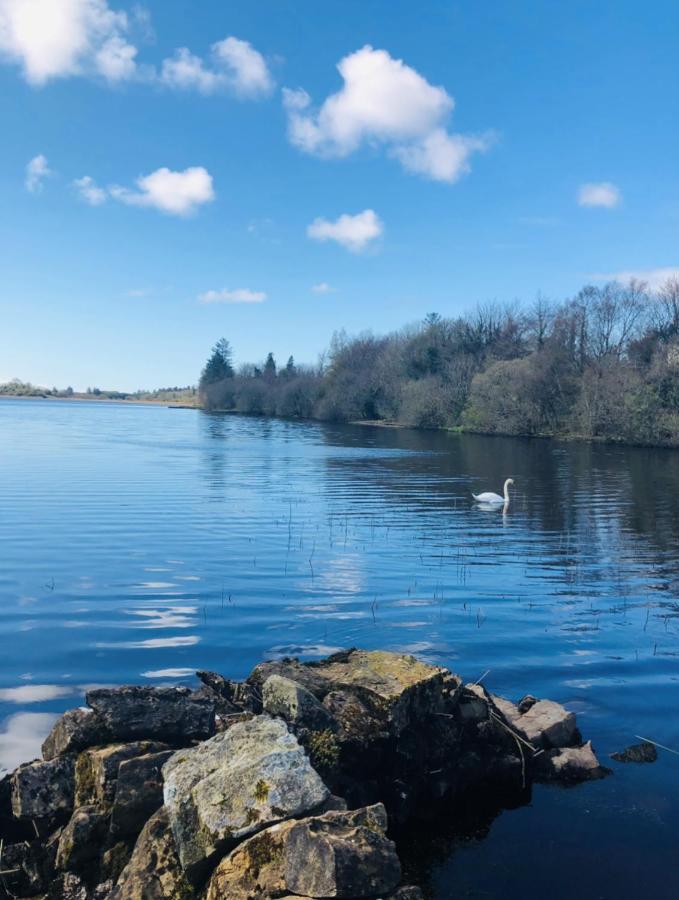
[{"x": 287, "y": 785}]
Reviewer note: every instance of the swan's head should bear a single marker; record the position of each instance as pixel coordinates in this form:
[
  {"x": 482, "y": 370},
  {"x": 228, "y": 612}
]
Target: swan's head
[{"x": 509, "y": 481}]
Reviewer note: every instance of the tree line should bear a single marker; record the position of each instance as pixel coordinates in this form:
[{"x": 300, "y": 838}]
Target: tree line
[{"x": 603, "y": 364}]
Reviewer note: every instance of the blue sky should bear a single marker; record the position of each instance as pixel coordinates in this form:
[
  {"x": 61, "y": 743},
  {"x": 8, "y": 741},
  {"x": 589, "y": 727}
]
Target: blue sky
[{"x": 461, "y": 152}]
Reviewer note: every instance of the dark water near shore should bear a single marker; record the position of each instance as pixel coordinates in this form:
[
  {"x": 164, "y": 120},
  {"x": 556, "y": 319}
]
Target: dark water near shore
[{"x": 140, "y": 543}]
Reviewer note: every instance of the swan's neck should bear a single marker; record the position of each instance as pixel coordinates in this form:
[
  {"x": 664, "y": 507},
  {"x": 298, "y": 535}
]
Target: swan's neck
[{"x": 507, "y": 491}]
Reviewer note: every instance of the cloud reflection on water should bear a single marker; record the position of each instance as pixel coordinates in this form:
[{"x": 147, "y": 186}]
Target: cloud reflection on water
[{"x": 21, "y": 737}]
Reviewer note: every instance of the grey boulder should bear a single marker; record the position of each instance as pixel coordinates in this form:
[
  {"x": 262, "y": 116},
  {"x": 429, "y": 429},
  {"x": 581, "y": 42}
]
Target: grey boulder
[
  {"x": 262, "y": 865},
  {"x": 139, "y": 792},
  {"x": 285, "y": 698},
  {"x": 570, "y": 764},
  {"x": 153, "y": 872},
  {"x": 236, "y": 784},
  {"x": 74, "y": 731},
  {"x": 173, "y": 714},
  {"x": 81, "y": 839},
  {"x": 331, "y": 856},
  {"x": 41, "y": 790},
  {"x": 545, "y": 724},
  {"x": 96, "y": 771}
]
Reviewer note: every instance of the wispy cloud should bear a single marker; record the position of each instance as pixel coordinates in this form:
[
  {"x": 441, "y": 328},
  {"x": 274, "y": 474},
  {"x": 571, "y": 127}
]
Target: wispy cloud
[
  {"x": 234, "y": 65},
  {"x": 89, "y": 190},
  {"x": 21, "y": 737},
  {"x": 603, "y": 194},
  {"x": 239, "y": 295},
  {"x": 323, "y": 288},
  {"x": 353, "y": 232},
  {"x": 654, "y": 278},
  {"x": 36, "y": 172}
]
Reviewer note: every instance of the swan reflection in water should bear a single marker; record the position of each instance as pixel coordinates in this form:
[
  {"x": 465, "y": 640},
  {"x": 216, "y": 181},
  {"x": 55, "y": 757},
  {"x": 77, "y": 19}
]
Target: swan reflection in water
[{"x": 489, "y": 501}]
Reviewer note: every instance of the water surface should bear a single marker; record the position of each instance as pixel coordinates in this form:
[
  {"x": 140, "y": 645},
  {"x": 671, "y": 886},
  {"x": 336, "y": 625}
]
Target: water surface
[{"x": 140, "y": 543}]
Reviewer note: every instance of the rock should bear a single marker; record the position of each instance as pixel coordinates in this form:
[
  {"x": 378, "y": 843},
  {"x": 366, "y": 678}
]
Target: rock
[
  {"x": 12, "y": 830},
  {"x": 548, "y": 724},
  {"x": 257, "y": 868},
  {"x": 637, "y": 753},
  {"x": 400, "y": 688},
  {"x": 235, "y": 784},
  {"x": 355, "y": 721},
  {"x": 544, "y": 724},
  {"x": 173, "y": 714},
  {"x": 301, "y": 673},
  {"x": 294, "y": 703},
  {"x": 81, "y": 839},
  {"x": 570, "y": 764},
  {"x": 43, "y": 789},
  {"x": 153, "y": 872},
  {"x": 407, "y": 892},
  {"x": 473, "y": 705},
  {"x": 114, "y": 860},
  {"x": 508, "y": 710},
  {"x": 76, "y": 730},
  {"x": 233, "y": 696},
  {"x": 68, "y": 887},
  {"x": 96, "y": 770},
  {"x": 328, "y": 857},
  {"x": 139, "y": 792},
  {"x": 526, "y": 703},
  {"x": 22, "y": 868}
]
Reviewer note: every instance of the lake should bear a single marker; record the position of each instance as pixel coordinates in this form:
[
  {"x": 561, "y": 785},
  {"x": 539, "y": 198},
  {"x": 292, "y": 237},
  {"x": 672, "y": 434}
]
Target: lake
[{"x": 138, "y": 544}]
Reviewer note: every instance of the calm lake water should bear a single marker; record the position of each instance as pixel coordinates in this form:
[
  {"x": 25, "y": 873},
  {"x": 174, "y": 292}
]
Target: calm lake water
[{"x": 140, "y": 543}]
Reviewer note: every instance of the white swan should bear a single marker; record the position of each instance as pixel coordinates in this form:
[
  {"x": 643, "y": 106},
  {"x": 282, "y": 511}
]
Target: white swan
[{"x": 491, "y": 497}]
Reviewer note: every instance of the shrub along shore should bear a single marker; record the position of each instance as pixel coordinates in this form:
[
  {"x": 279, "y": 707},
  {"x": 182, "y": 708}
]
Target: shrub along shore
[
  {"x": 291, "y": 784},
  {"x": 603, "y": 365}
]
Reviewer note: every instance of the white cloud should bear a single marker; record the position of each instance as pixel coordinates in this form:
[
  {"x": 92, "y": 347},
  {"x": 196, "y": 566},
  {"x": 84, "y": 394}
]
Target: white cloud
[
  {"x": 116, "y": 60},
  {"x": 245, "y": 67},
  {"x": 383, "y": 102},
  {"x": 234, "y": 65},
  {"x": 239, "y": 295},
  {"x": 323, "y": 288},
  {"x": 601, "y": 193},
  {"x": 65, "y": 38},
  {"x": 187, "y": 71},
  {"x": 175, "y": 193},
  {"x": 61, "y": 38},
  {"x": 352, "y": 232},
  {"x": 89, "y": 190},
  {"x": 441, "y": 156},
  {"x": 36, "y": 170},
  {"x": 654, "y": 278}
]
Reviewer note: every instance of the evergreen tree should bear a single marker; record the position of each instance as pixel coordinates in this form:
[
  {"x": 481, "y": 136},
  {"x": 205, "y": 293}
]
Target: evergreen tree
[
  {"x": 219, "y": 366},
  {"x": 270, "y": 368}
]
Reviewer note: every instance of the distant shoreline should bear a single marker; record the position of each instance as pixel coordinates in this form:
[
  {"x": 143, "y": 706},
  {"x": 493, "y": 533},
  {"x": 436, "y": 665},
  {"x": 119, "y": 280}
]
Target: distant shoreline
[{"x": 82, "y": 398}]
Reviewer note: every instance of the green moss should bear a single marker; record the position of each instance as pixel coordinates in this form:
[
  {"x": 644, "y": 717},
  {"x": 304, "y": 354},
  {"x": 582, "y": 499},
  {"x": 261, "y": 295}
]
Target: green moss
[
  {"x": 261, "y": 791},
  {"x": 115, "y": 859},
  {"x": 324, "y": 750},
  {"x": 262, "y": 851},
  {"x": 85, "y": 786},
  {"x": 252, "y": 816}
]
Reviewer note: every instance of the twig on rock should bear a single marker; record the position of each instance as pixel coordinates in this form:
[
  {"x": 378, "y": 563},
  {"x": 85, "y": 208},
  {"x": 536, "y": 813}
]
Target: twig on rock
[{"x": 656, "y": 744}]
